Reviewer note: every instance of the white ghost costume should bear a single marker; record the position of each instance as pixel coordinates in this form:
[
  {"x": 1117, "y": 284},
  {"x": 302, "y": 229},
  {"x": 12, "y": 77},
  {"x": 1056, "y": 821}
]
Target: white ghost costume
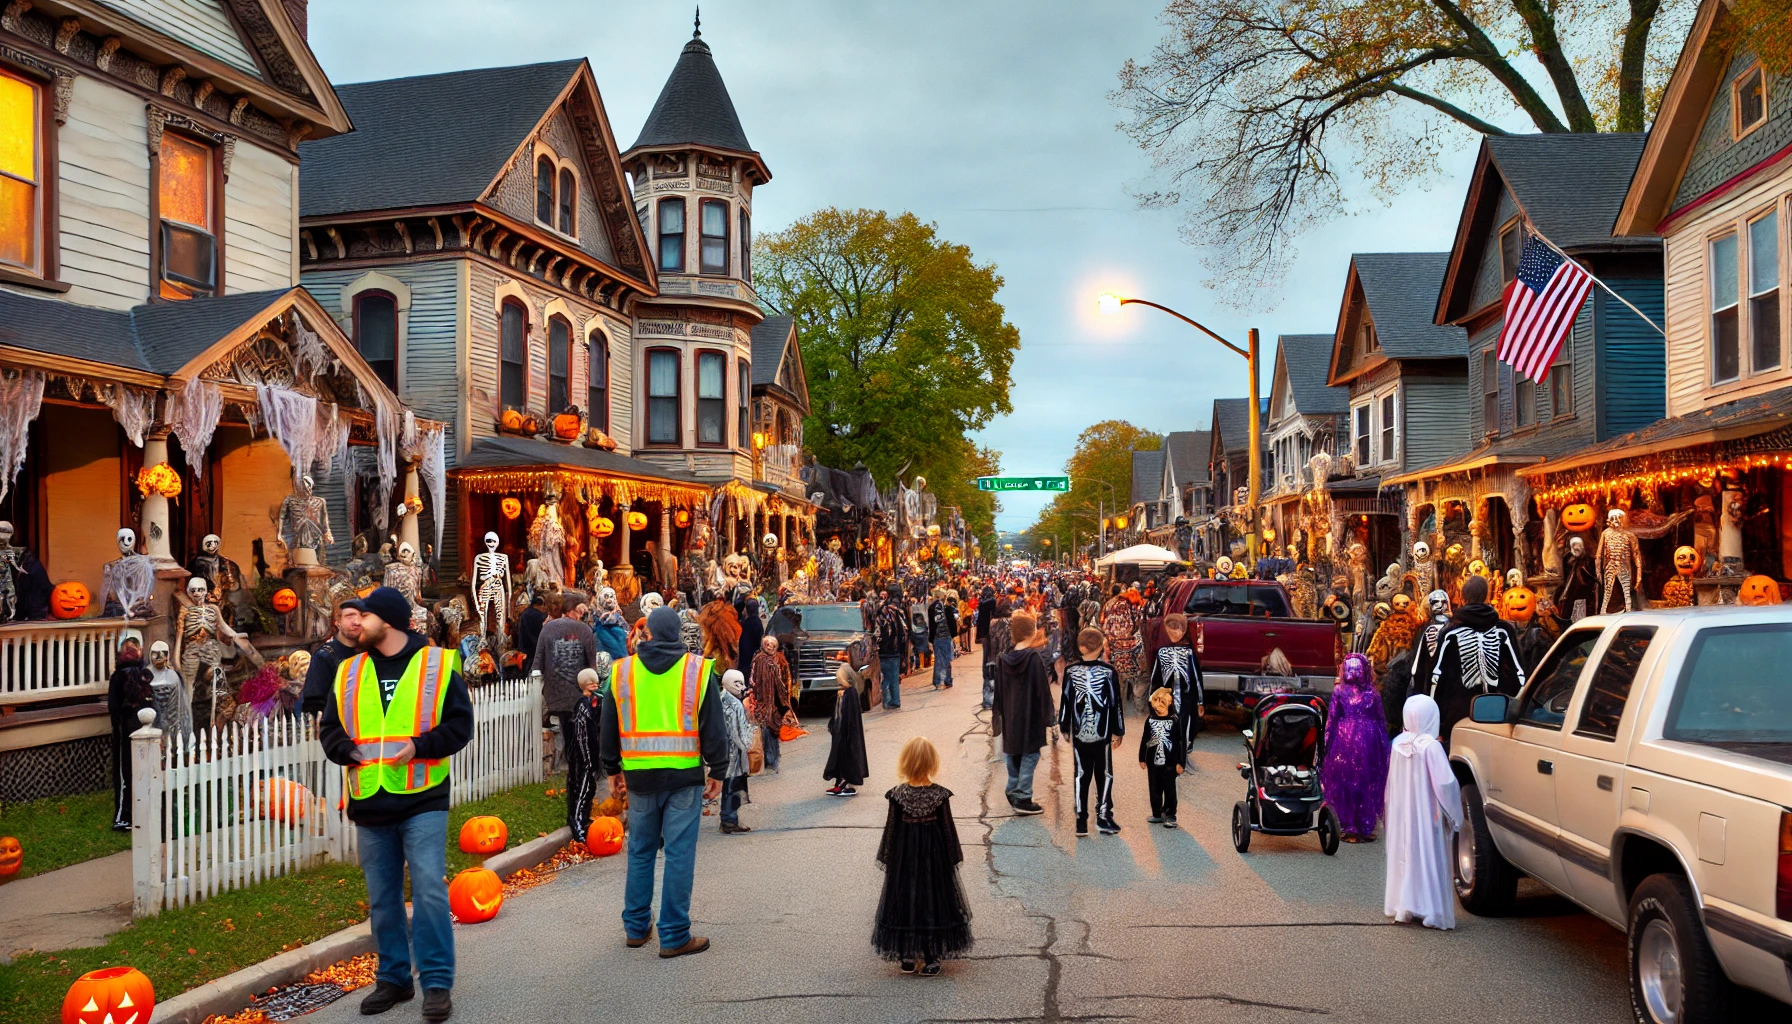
[{"x": 1424, "y": 808}]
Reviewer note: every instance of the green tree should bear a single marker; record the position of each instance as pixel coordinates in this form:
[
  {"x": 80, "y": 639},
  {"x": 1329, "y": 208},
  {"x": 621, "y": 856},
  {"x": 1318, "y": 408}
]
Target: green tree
[
  {"x": 1102, "y": 458},
  {"x": 905, "y": 346}
]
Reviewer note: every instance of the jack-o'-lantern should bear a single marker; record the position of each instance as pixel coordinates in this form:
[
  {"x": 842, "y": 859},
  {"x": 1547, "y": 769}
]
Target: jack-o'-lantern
[
  {"x": 636, "y": 520},
  {"x": 1686, "y": 560},
  {"x": 475, "y": 895},
  {"x": 1518, "y": 604},
  {"x": 1758, "y": 590},
  {"x": 511, "y": 507},
  {"x": 1454, "y": 554},
  {"x": 566, "y": 426},
  {"x": 603, "y": 526},
  {"x": 484, "y": 835},
  {"x": 511, "y": 420},
  {"x": 69, "y": 600},
  {"x": 284, "y": 800},
  {"x": 1576, "y": 518},
  {"x": 605, "y": 836},
  {"x": 12, "y": 856},
  {"x": 681, "y": 518},
  {"x": 110, "y": 995},
  {"x": 284, "y": 600}
]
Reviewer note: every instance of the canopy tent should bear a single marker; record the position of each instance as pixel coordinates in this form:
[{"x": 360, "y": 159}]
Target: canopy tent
[{"x": 1145, "y": 556}]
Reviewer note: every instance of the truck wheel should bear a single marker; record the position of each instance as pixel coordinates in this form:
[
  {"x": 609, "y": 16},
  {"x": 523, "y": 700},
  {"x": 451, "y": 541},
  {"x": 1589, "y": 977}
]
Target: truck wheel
[
  {"x": 1241, "y": 826},
  {"x": 1329, "y": 831},
  {"x": 1486, "y": 883},
  {"x": 1674, "y": 976}
]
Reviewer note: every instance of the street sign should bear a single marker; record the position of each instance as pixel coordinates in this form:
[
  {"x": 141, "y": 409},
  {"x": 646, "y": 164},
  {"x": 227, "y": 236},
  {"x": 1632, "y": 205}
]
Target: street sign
[{"x": 1023, "y": 483}]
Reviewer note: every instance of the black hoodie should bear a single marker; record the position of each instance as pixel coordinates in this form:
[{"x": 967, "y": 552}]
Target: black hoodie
[
  {"x": 657, "y": 655},
  {"x": 1023, "y": 700},
  {"x": 1478, "y": 654}
]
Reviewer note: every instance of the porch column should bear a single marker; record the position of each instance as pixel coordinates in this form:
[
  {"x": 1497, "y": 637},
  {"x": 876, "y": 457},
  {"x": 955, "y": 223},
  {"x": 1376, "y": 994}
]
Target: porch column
[
  {"x": 622, "y": 530},
  {"x": 153, "y": 524},
  {"x": 1552, "y": 555},
  {"x": 407, "y": 524},
  {"x": 732, "y": 513}
]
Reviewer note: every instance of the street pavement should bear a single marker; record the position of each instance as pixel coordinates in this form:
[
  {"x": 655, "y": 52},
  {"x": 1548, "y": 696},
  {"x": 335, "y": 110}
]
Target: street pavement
[{"x": 1150, "y": 925}]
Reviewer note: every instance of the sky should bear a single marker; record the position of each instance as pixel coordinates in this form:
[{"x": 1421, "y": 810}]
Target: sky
[{"x": 992, "y": 120}]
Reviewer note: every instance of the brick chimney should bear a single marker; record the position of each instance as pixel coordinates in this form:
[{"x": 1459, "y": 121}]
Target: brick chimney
[{"x": 295, "y": 9}]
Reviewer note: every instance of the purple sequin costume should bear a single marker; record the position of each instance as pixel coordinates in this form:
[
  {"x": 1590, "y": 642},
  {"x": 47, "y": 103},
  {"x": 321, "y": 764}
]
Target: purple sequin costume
[{"x": 1355, "y": 771}]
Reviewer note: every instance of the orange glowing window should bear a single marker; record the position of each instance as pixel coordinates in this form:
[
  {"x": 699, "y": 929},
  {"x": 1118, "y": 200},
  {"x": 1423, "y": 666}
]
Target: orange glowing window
[
  {"x": 185, "y": 193},
  {"x": 21, "y": 160}
]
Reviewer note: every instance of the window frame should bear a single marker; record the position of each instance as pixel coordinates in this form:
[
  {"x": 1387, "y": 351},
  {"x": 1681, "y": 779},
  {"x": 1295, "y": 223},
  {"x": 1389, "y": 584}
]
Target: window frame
[
  {"x": 662, "y": 236},
  {"x": 597, "y": 354},
  {"x": 704, "y": 238},
  {"x": 566, "y": 201},
  {"x": 1594, "y": 730},
  {"x": 1528, "y": 696},
  {"x": 1561, "y": 381},
  {"x": 48, "y": 241},
  {"x": 545, "y": 162},
  {"x": 701, "y": 404},
  {"x": 743, "y": 388},
  {"x": 1524, "y": 403},
  {"x": 565, "y": 377},
  {"x": 676, "y": 398},
  {"x": 1490, "y": 392},
  {"x": 1360, "y": 433},
  {"x": 355, "y": 328},
  {"x": 159, "y": 225},
  {"x": 1751, "y": 300},
  {"x": 1509, "y": 230},
  {"x": 1731, "y": 234},
  {"x": 1737, "y": 129},
  {"x": 1388, "y": 406},
  {"x": 746, "y": 245},
  {"x": 522, "y": 364}
]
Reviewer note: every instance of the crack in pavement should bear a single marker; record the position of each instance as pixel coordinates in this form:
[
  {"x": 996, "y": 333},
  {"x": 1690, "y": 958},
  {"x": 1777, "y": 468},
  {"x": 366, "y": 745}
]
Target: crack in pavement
[
  {"x": 793, "y": 995},
  {"x": 1217, "y": 997},
  {"x": 1277, "y": 924}
]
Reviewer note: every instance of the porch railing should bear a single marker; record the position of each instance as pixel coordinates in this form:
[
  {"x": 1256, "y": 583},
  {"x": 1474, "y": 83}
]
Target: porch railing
[{"x": 72, "y": 658}]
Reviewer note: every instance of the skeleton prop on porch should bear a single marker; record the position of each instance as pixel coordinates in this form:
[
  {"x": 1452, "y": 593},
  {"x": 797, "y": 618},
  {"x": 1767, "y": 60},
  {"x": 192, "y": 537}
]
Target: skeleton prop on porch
[
  {"x": 223, "y": 575},
  {"x": 491, "y": 586},
  {"x": 304, "y": 523},
  {"x": 1620, "y": 560},
  {"x": 547, "y": 540},
  {"x": 1424, "y": 568},
  {"x": 12, "y": 566},
  {"x": 199, "y": 649},
  {"x": 1579, "y": 582},
  {"x": 406, "y": 577},
  {"x": 128, "y": 582},
  {"x": 1677, "y": 592}
]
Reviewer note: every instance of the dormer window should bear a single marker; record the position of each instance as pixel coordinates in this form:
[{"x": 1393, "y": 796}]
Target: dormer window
[
  {"x": 556, "y": 193},
  {"x": 1748, "y": 101}
]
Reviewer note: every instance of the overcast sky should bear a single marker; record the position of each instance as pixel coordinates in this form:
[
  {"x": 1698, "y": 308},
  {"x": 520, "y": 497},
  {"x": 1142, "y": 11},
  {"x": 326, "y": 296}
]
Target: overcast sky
[{"x": 991, "y": 119}]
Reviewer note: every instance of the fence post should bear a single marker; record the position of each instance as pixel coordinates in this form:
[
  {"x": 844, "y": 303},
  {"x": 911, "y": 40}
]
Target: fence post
[
  {"x": 147, "y": 826},
  {"x": 536, "y": 722}
]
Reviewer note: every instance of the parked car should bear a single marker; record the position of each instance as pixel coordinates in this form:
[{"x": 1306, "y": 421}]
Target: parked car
[
  {"x": 1645, "y": 773},
  {"x": 817, "y": 639},
  {"x": 1236, "y": 623}
]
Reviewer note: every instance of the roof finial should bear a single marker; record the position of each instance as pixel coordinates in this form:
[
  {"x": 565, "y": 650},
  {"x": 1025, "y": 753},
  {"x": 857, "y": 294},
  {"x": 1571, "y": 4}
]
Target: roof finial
[{"x": 697, "y": 24}]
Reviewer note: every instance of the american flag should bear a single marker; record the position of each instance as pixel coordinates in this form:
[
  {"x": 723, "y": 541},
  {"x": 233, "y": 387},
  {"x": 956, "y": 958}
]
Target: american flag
[{"x": 1541, "y": 303}]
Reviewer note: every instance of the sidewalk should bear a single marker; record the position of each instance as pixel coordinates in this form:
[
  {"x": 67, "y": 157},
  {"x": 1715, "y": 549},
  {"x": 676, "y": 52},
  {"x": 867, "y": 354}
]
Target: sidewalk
[{"x": 67, "y": 908}]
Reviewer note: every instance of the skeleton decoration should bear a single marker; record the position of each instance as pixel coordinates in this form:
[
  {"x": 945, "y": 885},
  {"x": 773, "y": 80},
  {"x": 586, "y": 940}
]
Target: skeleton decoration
[
  {"x": 223, "y": 574},
  {"x": 406, "y": 577},
  {"x": 168, "y": 693},
  {"x": 304, "y": 523},
  {"x": 547, "y": 542},
  {"x": 1620, "y": 560},
  {"x": 12, "y": 566},
  {"x": 199, "y": 649},
  {"x": 1424, "y": 568},
  {"x": 452, "y": 613},
  {"x": 491, "y": 586},
  {"x": 359, "y": 570},
  {"x": 1579, "y": 581},
  {"x": 128, "y": 582}
]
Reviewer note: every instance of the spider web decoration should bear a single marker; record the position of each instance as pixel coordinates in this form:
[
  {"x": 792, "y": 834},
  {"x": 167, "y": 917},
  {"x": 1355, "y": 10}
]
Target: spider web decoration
[
  {"x": 434, "y": 467},
  {"x": 385, "y": 419},
  {"x": 21, "y": 398},
  {"x": 311, "y": 357},
  {"x": 133, "y": 408},
  {"x": 332, "y": 440},
  {"x": 291, "y": 419}
]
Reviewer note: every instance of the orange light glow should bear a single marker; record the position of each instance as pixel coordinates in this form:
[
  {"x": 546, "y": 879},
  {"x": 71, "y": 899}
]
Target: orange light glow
[
  {"x": 186, "y": 181},
  {"x": 19, "y": 124}
]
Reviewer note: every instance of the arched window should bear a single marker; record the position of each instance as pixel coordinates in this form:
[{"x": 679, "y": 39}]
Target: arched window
[
  {"x": 712, "y": 398},
  {"x": 559, "y": 365},
  {"x": 513, "y": 355},
  {"x": 376, "y": 334},
  {"x": 597, "y": 381},
  {"x": 662, "y": 396},
  {"x": 715, "y": 236},
  {"x": 569, "y": 200},
  {"x": 672, "y": 235},
  {"x": 544, "y": 190}
]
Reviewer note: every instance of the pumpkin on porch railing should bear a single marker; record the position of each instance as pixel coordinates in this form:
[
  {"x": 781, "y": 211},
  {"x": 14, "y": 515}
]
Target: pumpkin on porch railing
[
  {"x": 511, "y": 507},
  {"x": 511, "y": 420},
  {"x": 12, "y": 856},
  {"x": 475, "y": 895},
  {"x": 637, "y": 520},
  {"x": 69, "y": 600},
  {"x": 1758, "y": 590},
  {"x": 566, "y": 426},
  {"x": 110, "y": 995},
  {"x": 284, "y": 600}
]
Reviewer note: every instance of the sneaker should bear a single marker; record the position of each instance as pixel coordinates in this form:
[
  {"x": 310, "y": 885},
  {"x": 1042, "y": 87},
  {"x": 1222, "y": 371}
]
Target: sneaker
[
  {"x": 834, "y": 790},
  {"x": 694, "y": 944},
  {"x": 1171, "y": 823},
  {"x": 848, "y": 791},
  {"x": 931, "y": 969},
  {"x": 906, "y": 966},
  {"x": 437, "y": 1005},
  {"x": 1082, "y": 828},
  {"x": 1154, "y": 820},
  {"x": 385, "y": 995},
  {"x": 1028, "y": 807},
  {"x": 1108, "y": 828}
]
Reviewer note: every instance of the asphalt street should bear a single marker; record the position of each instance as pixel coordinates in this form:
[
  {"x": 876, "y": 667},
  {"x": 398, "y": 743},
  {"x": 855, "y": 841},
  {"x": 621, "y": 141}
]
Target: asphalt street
[{"x": 1148, "y": 925}]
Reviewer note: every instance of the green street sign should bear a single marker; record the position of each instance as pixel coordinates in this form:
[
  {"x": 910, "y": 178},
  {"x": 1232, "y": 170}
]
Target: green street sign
[{"x": 1023, "y": 483}]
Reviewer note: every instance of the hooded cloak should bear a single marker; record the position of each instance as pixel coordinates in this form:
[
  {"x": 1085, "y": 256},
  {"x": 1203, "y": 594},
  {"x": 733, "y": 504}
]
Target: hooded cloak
[
  {"x": 1424, "y": 807},
  {"x": 846, "y": 755}
]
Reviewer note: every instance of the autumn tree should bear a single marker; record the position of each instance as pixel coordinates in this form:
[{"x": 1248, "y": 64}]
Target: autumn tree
[
  {"x": 1255, "y": 112},
  {"x": 906, "y": 349},
  {"x": 1102, "y": 459}
]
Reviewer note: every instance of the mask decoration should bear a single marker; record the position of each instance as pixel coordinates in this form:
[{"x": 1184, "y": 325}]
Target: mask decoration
[
  {"x": 1514, "y": 577},
  {"x": 1686, "y": 560},
  {"x": 1576, "y": 547},
  {"x": 1439, "y": 602},
  {"x": 197, "y": 588},
  {"x": 1477, "y": 568},
  {"x": 1382, "y": 611},
  {"x": 1402, "y": 604},
  {"x": 1757, "y": 591},
  {"x": 770, "y": 541},
  {"x": 1421, "y": 551},
  {"x": 1223, "y": 566},
  {"x": 491, "y": 542},
  {"x": 211, "y": 543},
  {"x": 1576, "y": 518},
  {"x": 127, "y": 542}
]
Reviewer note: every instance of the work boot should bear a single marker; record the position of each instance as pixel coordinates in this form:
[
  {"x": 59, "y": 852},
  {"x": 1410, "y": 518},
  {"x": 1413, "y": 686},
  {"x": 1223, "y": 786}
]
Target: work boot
[
  {"x": 385, "y": 995},
  {"x": 436, "y": 1004},
  {"x": 642, "y": 941},
  {"x": 694, "y": 944}
]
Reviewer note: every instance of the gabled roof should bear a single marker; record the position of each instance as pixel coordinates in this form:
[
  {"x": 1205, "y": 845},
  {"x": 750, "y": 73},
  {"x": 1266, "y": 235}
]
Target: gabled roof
[
  {"x": 694, "y": 108},
  {"x": 1187, "y": 452},
  {"x": 1232, "y": 422},
  {"x": 1147, "y": 476},
  {"x": 1306, "y": 361},
  {"x": 1400, "y": 290},
  {"x": 775, "y": 345}
]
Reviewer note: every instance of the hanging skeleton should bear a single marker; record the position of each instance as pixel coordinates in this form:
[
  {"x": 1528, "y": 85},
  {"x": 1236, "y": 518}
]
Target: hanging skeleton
[
  {"x": 1620, "y": 561},
  {"x": 128, "y": 582},
  {"x": 199, "y": 649},
  {"x": 491, "y": 586},
  {"x": 12, "y": 566}
]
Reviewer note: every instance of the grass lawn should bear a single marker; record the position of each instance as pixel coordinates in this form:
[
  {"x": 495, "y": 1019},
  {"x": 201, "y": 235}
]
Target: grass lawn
[
  {"x": 61, "y": 830},
  {"x": 179, "y": 949}
]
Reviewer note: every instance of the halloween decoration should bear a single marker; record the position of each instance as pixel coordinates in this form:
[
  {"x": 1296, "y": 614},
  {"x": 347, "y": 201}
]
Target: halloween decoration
[
  {"x": 475, "y": 895},
  {"x": 12, "y": 856},
  {"x": 603, "y": 526},
  {"x": 511, "y": 508},
  {"x": 1518, "y": 605},
  {"x": 484, "y": 835},
  {"x": 128, "y": 582},
  {"x": 1579, "y": 582},
  {"x": 491, "y": 585},
  {"x": 547, "y": 538},
  {"x": 682, "y": 518},
  {"x": 304, "y": 523},
  {"x": 199, "y": 639},
  {"x": 512, "y": 421},
  {"x": 531, "y": 425},
  {"x": 566, "y": 426},
  {"x": 1620, "y": 560},
  {"x": 284, "y": 800},
  {"x": 1424, "y": 568},
  {"x": 69, "y": 600},
  {"x": 636, "y": 520},
  {"x": 605, "y": 836},
  {"x": 1758, "y": 590},
  {"x": 284, "y": 600},
  {"x": 1677, "y": 592},
  {"x": 158, "y": 479},
  {"x": 1576, "y": 518},
  {"x": 225, "y": 577},
  {"x": 110, "y": 995}
]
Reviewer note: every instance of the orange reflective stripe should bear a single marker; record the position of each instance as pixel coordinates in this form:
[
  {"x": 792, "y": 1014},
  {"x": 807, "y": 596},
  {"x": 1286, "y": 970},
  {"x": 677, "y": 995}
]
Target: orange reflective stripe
[
  {"x": 434, "y": 660},
  {"x": 348, "y": 704}
]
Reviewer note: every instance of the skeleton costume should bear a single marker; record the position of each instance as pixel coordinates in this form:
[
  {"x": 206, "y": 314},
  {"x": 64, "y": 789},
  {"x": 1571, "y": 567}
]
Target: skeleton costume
[
  {"x": 1176, "y": 668},
  {"x": 1161, "y": 751},
  {"x": 1620, "y": 560},
  {"x": 1430, "y": 638},
  {"x": 1479, "y": 654},
  {"x": 1089, "y": 713},
  {"x": 491, "y": 586}
]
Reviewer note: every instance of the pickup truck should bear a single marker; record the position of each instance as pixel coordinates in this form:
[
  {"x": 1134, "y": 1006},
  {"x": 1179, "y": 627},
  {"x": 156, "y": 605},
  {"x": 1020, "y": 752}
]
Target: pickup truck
[
  {"x": 1236, "y": 623},
  {"x": 816, "y": 640},
  {"x": 1645, "y": 773}
]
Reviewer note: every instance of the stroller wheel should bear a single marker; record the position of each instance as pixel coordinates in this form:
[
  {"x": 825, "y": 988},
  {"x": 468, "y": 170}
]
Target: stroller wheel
[
  {"x": 1241, "y": 827},
  {"x": 1329, "y": 831}
]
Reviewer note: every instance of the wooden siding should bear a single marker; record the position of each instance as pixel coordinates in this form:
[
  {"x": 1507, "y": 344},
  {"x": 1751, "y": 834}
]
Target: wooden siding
[
  {"x": 1488, "y": 286},
  {"x": 201, "y": 24},
  {"x": 1717, "y": 156},
  {"x": 103, "y": 197},
  {"x": 258, "y": 205},
  {"x": 1631, "y": 386},
  {"x": 1435, "y": 419}
]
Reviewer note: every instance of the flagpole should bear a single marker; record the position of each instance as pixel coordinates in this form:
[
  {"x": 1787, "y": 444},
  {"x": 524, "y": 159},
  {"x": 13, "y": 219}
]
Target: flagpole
[{"x": 1608, "y": 288}]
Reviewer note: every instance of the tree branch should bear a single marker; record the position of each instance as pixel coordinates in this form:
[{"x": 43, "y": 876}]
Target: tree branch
[
  {"x": 1546, "y": 44},
  {"x": 1484, "y": 127},
  {"x": 1488, "y": 56}
]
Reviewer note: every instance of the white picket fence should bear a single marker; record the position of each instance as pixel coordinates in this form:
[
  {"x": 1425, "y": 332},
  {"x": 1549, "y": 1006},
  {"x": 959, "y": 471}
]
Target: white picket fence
[
  {"x": 235, "y": 806},
  {"x": 69, "y": 658}
]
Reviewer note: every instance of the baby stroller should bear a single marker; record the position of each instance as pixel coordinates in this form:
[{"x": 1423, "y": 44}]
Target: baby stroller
[{"x": 1282, "y": 749}]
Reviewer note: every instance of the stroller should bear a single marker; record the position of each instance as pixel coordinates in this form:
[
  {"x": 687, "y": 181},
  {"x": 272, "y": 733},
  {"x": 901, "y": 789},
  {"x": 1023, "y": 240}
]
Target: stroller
[{"x": 1283, "y": 749}]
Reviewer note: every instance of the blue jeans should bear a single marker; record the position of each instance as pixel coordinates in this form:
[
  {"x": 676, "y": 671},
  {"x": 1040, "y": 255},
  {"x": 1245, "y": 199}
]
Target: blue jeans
[
  {"x": 892, "y": 682},
  {"x": 731, "y": 790},
  {"x": 420, "y": 841},
  {"x": 942, "y": 661},
  {"x": 917, "y": 648},
  {"x": 654, "y": 818},
  {"x": 1020, "y": 776},
  {"x": 769, "y": 737}
]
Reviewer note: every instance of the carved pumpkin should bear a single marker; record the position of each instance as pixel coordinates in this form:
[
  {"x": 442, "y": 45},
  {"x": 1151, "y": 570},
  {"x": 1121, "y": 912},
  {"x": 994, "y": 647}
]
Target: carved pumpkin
[
  {"x": 1518, "y": 604},
  {"x": 511, "y": 420},
  {"x": 284, "y": 600},
  {"x": 1758, "y": 590},
  {"x": 475, "y": 895},
  {"x": 1686, "y": 560},
  {"x": 605, "y": 836},
  {"x": 12, "y": 856},
  {"x": 1576, "y": 518},
  {"x": 484, "y": 835},
  {"x": 603, "y": 526},
  {"x": 284, "y": 800},
  {"x": 511, "y": 507},
  {"x": 636, "y": 520},
  {"x": 110, "y": 995},
  {"x": 681, "y": 518},
  {"x": 531, "y": 424},
  {"x": 566, "y": 426},
  {"x": 69, "y": 600}
]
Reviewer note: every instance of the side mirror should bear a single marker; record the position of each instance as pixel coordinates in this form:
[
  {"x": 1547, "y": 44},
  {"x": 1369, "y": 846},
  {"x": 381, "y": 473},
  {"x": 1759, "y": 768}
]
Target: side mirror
[{"x": 1489, "y": 708}]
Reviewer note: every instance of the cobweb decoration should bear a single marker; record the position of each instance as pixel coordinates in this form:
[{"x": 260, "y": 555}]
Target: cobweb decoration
[
  {"x": 351, "y": 485},
  {"x": 21, "y": 398},
  {"x": 310, "y": 354},
  {"x": 133, "y": 408},
  {"x": 291, "y": 419},
  {"x": 332, "y": 440},
  {"x": 385, "y": 419},
  {"x": 434, "y": 468}
]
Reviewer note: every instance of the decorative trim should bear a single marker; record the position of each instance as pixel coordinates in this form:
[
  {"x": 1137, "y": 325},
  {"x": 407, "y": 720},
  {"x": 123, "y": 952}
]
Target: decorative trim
[
  {"x": 64, "y": 94},
  {"x": 158, "y": 119},
  {"x": 66, "y": 31}
]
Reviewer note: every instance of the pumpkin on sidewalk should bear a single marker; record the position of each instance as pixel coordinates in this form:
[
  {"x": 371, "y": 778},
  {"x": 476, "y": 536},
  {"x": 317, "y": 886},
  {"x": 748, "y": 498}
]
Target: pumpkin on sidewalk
[
  {"x": 110, "y": 995},
  {"x": 605, "y": 836},
  {"x": 475, "y": 895}
]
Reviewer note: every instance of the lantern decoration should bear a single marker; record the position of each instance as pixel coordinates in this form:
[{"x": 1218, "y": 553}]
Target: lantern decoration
[
  {"x": 604, "y": 837},
  {"x": 1576, "y": 518},
  {"x": 603, "y": 526},
  {"x": 284, "y": 600},
  {"x": 566, "y": 426},
  {"x": 511, "y": 421},
  {"x": 110, "y": 995},
  {"x": 475, "y": 895},
  {"x": 158, "y": 479},
  {"x": 1758, "y": 590},
  {"x": 511, "y": 507},
  {"x": 681, "y": 518},
  {"x": 12, "y": 856},
  {"x": 484, "y": 834},
  {"x": 69, "y": 600},
  {"x": 284, "y": 800},
  {"x": 636, "y": 520}
]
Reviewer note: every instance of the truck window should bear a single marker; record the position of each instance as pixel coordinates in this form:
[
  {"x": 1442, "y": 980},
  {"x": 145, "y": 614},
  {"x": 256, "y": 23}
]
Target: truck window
[
  {"x": 1545, "y": 701},
  {"x": 1263, "y": 602},
  {"x": 1732, "y": 690},
  {"x": 1604, "y": 706}
]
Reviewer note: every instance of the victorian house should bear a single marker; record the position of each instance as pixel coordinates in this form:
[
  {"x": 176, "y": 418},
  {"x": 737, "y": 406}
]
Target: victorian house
[
  {"x": 1145, "y": 510},
  {"x": 1306, "y": 416},
  {"x": 1229, "y": 468},
  {"x": 1185, "y": 491}
]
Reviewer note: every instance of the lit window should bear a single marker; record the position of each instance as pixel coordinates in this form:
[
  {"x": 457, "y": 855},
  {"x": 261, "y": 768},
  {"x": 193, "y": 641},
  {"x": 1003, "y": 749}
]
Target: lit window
[
  {"x": 597, "y": 382},
  {"x": 1749, "y": 100},
  {"x": 672, "y": 235},
  {"x": 186, "y": 193},
  {"x": 1764, "y": 292},
  {"x": 712, "y": 368},
  {"x": 569, "y": 200},
  {"x": 376, "y": 335},
  {"x": 513, "y": 378},
  {"x": 21, "y": 171},
  {"x": 544, "y": 191},
  {"x": 662, "y": 396},
  {"x": 1726, "y": 359},
  {"x": 715, "y": 236},
  {"x": 559, "y": 365}
]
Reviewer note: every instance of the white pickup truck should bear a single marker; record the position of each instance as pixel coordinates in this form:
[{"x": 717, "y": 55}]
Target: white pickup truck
[{"x": 1645, "y": 773}]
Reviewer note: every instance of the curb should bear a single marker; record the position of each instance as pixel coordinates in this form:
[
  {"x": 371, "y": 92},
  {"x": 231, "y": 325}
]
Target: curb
[{"x": 530, "y": 853}]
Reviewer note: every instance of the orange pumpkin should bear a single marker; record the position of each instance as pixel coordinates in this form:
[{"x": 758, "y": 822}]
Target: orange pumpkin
[
  {"x": 475, "y": 895},
  {"x": 603, "y": 526},
  {"x": 566, "y": 426},
  {"x": 637, "y": 520},
  {"x": 1686, "y": 560},
  {"x": 604, "y": 837},
  {"x": 531, "y": 424},
  {"x": 682, "y": 518},
  {"x": 511, "y": 507},
  {"x": 284, "y": 600},
  {"x": 1518, "y": 604},
  {"x": 484, "y": 835},
  {"x": 12, "y": 856},
  {"x": 69, "y": 600},
  {"x": 511, "y": 420},
  {"x": 1576, "y": 518},
  {"x": 1758, "y": 590},
  {"x": 110, "y": 995},
  {"x": 284, "y": 800},
  {"x": 611, "y": 807}
]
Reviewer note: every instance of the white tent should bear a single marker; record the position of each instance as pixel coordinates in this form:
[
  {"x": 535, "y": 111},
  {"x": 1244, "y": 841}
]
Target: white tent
[{"x": 1149, "y": 557}]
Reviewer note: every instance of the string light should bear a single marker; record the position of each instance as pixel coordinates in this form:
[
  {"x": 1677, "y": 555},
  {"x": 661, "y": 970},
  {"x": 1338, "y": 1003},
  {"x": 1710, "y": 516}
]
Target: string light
[{"x": 1705, "y": 474}]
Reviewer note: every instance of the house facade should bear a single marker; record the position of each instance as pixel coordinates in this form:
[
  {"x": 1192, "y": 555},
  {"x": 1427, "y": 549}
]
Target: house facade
[
  {"x": 1145, "y": 509},
  {"x": 1229, "y": 473},
  {"x": 1306, "y": 417},
  {"x": 1184, "y": 492}
]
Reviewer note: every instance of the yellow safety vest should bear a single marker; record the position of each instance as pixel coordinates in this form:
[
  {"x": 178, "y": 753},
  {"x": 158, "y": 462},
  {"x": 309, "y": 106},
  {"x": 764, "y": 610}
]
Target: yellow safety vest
[
  {"x": 380, "y": 732},
  {"x": 657, "y": 712}
]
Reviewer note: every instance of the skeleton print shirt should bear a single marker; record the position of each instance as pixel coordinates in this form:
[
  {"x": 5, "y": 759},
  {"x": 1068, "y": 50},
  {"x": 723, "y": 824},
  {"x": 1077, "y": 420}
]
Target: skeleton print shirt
[
  {"x": 1177, "y": 669},
  {"x": 1479, "y": 654},
  {"x": 1089, "y": 708},
  {"x": 1161, "y": 744}
]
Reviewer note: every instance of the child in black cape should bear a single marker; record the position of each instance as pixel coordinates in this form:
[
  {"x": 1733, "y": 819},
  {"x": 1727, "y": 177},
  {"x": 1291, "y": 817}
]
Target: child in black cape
[
  {"x": 847, "y": 764},
  {"x": 922, "y": 917}
]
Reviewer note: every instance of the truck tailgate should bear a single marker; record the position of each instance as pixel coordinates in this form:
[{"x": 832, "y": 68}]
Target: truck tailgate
[{"x": 1228, "y": 644}]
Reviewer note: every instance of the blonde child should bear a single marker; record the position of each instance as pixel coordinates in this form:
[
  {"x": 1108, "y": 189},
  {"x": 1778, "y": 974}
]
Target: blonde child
[{"x": 922, "y": 917}]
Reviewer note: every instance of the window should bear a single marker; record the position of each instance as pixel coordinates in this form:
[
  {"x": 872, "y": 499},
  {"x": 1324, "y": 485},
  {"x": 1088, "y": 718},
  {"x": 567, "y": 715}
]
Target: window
[
  {"x": 186, "y": 195},
  {"x": 744, "y": 384},
  {"x": 559, "y": 365},
  {"x": 715, "y": 236},
  {"x": 569, "y": 201},
  {"x": 1604, "y": 706},
  {"x": 1732, "y": 690},
  {"x": 1764, "y": 292},
  {"x": 1366, "y": 338},
  {"x": 21, "y": 173},
  {"x": 597, "y": 382},
  {"x": 1490, "y": 392},
  {"x": 1725, "y": 359},
  {"x": 1511, "y": 246},
  {"x": 672, "y": 235},
  {"x": 1524, "y": 401},
  {"x": 513, "y": 374},
  {"x": 1362, "y": 435},
  {"x": 544, "y": 190},
  {"x": 376, "y": 334},
  {"x": 1545, "y": 701},
  {"x": 1387, "y": 428},
  {"x": 712, "y": 397},
  {"x": 662, "y": 395},
  {"x": 1262, "y": 602},
  {"x": 1561, "y": 381},
  {"x": 1749, "y": 101},
  {"x": 746, "y": 248}
]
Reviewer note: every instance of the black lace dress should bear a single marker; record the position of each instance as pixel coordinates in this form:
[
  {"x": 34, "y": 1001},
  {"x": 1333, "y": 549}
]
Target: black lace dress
[{"x": 922, "y": 914}]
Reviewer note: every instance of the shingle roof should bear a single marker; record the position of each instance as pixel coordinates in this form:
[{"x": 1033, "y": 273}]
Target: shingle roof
[
  {"x": 426, "y": 140},
  {"x": 1188, "y": 451},
  {"x": 171, "y": 334},
  {"x": 1308, "y": 359},
  {"x": 1147, "y": 476},
  {"x": 490, "y": 452},
  {"x": 1401, "y": 289},
  {"x": 694, "y": 107},
  {"x": 158, "y": 337},
  {"x": 770, "y": 336},
  {"x": 1232, "y": 418},
  {"x": 1571, "y": 185}
]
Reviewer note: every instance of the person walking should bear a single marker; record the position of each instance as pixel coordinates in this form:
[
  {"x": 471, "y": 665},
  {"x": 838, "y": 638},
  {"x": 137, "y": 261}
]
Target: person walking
[
  {"x": 922, "y": 915},
  {"x": 398, "y": 711},
  {"x": 1161, "y": 754},
  {"x": 564, "y": 647},
  {"x": 320, "y": 678},
  {"x": 528, "y": 629},
  {"x": 1022, "y": 710},
  {"x": 608, "y": 628},
  {"x": 999, "y": 640},
  {"x": 752, "y": 631},
  {"x": 892, "y": 647},
  {"x": 1090, "y": 716},
  {"x": 986, "y": 612},
  {"x": 847, "y": 765},
  {"x": 1354, "y": 772},
  {"x": 1176, "y": 667},
  {"x": 128, "y": 690},
  {"x": 582, "y": 754},
  {"x": 740, "y": 741},
  {"x": 1478, "y": 654},
  {"x": 920, "y": 652},
  {"x": 1120, "y": 621},
  {"x": 771, "y": 698},
  {"x": 942, "y": 626},
  {"x": 1424, "y": 808}
]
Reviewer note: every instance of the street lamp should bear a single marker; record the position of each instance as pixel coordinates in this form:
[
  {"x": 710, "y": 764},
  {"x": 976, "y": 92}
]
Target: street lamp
[{"x": 1110, "y": 304}]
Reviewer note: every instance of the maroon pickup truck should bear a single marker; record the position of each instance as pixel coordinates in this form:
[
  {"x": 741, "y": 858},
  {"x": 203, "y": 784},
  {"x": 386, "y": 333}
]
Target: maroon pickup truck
[{"x": 1236, "y": 623}]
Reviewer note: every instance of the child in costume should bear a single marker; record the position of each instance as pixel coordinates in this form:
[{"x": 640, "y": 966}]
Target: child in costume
[
  {"x": 922, "y": 917},
  {"x": 740, "y": 741},
  {"x": 1424, "y": 807},
  {"x": 1161, "y": 751},
  {"x": 583, "y": 775},
  {"x": 1354, "y": 771},
  {"x": 847, "y": 764},
  {"x": 1089, "y": 715}
]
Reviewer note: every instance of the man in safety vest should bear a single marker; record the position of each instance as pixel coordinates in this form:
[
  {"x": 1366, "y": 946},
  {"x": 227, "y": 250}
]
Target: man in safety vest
[
  {"x": 662, "y": 724},
  {"x": 397, "y": 712}
]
